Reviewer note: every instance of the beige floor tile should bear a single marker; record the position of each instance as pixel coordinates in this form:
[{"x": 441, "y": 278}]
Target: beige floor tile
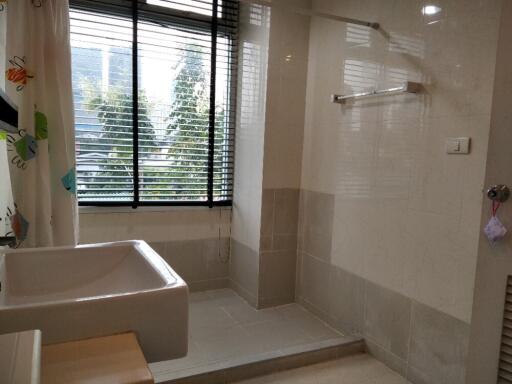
[
  {"x": 278, "y": 334},
  {"x": 309, "y": 323},
  {"x": 197, "y": 297},
  {"x": 222, "y": 327},
  {"x": 205, "y": 315},
  {"x": 244, "y": 314},
  {"x": 194, "y": 358},
  {"x": 360, "y": 369},
  {"x": 223, "y": 296},
  {"x": 389, "y": 378},
  {"x": 305, "y": 375},
  {"x": 229, "y": 343}
]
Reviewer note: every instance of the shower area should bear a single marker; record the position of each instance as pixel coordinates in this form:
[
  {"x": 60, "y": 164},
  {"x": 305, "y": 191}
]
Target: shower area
[{"x": 341, "y": 238}]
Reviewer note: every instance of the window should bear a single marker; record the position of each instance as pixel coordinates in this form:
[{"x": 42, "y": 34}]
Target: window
[{"x": 174, "y": 60}]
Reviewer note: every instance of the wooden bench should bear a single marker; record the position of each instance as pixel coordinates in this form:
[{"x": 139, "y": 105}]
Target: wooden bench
[{"x": 115, "y": 359}]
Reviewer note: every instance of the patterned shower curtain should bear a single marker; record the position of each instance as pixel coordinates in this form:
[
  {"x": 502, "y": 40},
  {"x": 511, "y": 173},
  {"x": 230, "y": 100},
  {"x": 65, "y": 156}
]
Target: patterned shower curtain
[{"x": 41, "y": 153}]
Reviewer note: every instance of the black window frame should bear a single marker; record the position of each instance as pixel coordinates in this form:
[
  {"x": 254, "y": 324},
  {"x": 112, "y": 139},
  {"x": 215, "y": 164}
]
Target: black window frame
[{"x": 138, "y": 10}]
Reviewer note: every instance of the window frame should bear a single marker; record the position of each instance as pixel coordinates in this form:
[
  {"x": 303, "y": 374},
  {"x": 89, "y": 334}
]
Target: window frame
[{"x": 136, "y": 10}]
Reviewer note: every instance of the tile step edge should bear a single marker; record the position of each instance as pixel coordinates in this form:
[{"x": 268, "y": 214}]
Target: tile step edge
[{"x": 233, "y": 370}]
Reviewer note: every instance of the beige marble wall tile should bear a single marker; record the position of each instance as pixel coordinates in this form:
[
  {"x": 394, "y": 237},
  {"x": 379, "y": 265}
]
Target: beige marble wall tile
[
  {"x": 315, "y": 283},
  {"x": 277, "y": 280},
  {"x": 346, "y": 301},
  {"x": 271, "y": 99},
  {"x": 202, "y": 263},
  {"x": 244, "y": 271},
  {"x": 387, "y": 319},
  {"x": 286, "y": 211},
  {"x": 250, "y": 129},
  {"x": 267, "y": 212},
  {"x": 438, "y": 347},
  {"x": 286, "y": 94},
  {"x": 316, "y": 224},
  {"x": 406, "y": 215},
  {"x": 278, "y": 246},
  {"x": 423, "y": 344},
  {"x": 190, "y": 223}
]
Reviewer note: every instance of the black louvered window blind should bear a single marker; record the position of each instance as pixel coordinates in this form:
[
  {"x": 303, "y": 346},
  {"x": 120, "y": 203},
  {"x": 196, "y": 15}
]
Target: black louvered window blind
[{"x": 176, "y": 61}]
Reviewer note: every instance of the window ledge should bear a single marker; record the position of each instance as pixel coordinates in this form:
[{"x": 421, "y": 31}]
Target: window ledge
[{"x": 91, "y": 209}]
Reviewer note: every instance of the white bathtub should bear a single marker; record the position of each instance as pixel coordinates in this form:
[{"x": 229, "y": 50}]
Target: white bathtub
[{"x": 72, "y": 293}]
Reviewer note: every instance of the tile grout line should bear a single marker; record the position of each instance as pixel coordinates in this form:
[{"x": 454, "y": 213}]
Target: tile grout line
[{"x": 409, "y": 341}]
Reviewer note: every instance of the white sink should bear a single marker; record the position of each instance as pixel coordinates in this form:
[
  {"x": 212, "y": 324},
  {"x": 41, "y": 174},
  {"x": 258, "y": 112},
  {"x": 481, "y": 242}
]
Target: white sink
[{"x": 72, "y": 293}]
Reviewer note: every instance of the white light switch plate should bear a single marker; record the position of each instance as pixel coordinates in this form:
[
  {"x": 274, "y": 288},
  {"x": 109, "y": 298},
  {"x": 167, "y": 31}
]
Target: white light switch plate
[{"x": 457, "y": 145}]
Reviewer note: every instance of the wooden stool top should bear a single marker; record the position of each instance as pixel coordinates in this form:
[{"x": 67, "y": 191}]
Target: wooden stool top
[{"x": 115, "y": 359}]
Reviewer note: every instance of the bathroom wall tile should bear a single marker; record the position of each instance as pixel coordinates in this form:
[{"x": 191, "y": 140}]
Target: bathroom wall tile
[
  {"x": 346, "y": 301},
  {"x": 197, "y": 262},
  {"x": 317, "y": 244},
  {"x": 250, "y": 129},
  {"x": 383, "y": 162},
  {"x": 318, "y": 211},
  {"x": 285, "y": 242},
  {"x": 203, "y": 264},
  {"x": 248, "y": 296},
  {"x": 438, "y": 347},
  {"x": 315, "y": 283},
  {"x": 394, "y": 362},
  {"x": 283, "y": 125},
  {"x": 388, "y": 154},
  {"x": 267, "y": 212},
  {"x": 315, "y": 311},
  {"x": 217, "y": 258},
  {"x": 159, "y": 247},
  {"x": 299, "y": 291},
  {"x": 188, "y": 259},
  {"x": 117, "y": 224},
  {"x": 286, "y": 211},
  {"x": 316, "y": 224},
  {"x": 266, "y": 243},
  {"x": 387, "y": 319},
  {"x": 277, "y": 281},
  {"x": 278, "y": 247},
  {"x": 244, "y": 270},
  {"x": 287, "y": 69},
  {"x": 283, "y": 149}
]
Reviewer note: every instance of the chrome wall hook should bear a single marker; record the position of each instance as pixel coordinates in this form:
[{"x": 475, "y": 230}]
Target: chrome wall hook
[{"x": 499, "y": 193}]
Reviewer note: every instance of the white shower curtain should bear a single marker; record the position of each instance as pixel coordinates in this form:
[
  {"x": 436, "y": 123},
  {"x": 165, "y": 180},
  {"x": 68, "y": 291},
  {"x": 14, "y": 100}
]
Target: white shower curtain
[{"x": 41, "y": 154}]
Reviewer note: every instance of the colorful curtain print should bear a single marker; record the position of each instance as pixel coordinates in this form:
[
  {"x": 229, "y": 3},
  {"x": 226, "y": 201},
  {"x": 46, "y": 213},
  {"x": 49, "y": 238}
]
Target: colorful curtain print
[{"x": 41, "y": 153}]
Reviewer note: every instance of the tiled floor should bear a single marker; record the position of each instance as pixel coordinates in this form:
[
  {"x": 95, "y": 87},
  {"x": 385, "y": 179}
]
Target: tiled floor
[
  {"x": 223, "y": 327},
  {"x": 357, "y": 369}
]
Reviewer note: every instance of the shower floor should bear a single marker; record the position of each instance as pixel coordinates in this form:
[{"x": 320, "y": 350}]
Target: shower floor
[{"x": 224, "y": 328}]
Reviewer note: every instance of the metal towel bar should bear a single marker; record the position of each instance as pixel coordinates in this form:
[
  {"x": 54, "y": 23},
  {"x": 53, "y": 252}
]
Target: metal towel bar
[{"x": 408, "y": 87}]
